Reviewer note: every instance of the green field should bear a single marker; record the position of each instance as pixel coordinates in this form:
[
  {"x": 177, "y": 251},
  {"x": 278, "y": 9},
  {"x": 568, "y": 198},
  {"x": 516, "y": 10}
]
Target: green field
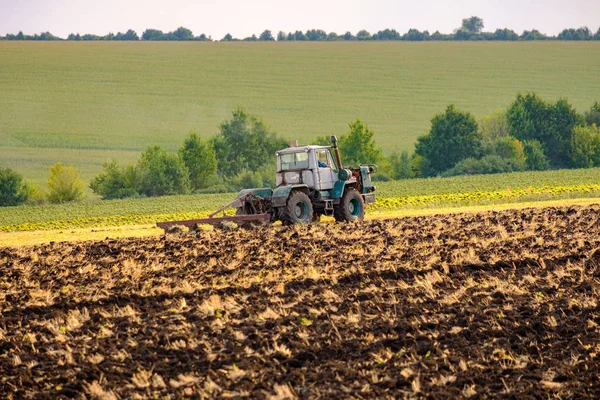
[
  {"x": 415, "y": 194},
  {"x": 84, "y": 103}
]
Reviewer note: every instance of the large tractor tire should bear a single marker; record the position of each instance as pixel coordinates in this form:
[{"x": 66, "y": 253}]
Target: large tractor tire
[
  {"x": 351, "y": 207},
  {"x": 298, "y": 210}
]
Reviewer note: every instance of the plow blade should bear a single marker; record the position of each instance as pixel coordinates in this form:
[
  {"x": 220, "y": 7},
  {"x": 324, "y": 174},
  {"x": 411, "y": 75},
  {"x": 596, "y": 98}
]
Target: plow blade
[{"x": 216, "y": 221}]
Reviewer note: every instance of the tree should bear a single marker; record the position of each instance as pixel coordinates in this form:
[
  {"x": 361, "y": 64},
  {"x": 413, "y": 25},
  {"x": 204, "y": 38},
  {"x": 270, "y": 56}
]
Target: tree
[
  {"x": 298, "y": 35},
  {"x": 401, "y": 165},
  {"x": 473, "y": 25},
  {"x": 227, "y": 38},
  {"x": 585, "y": 146},
  {"x": 348, "y": 36},
  {"x": 593, "y": 115},
  {"x": 183, "y": 34},
  {"x": 316, "y": 34},
  {"x": 509, "y": 147},
  {"x": 363, "y": 35},
  {"x": 453, "y": 137},
  {"x": 163, "y": 173},
  {"x": 13, "y": 189},
  {"x": 117, "y": 182},
  {"x": 530, "y": 117},
  {"x": 153, "y": 34},
  {"x": 494, "y": 126},
  {"x": 505, "y": 34},
  {"x": 597, "y": 35},
  {"x": 414, "y": 35},
  {"x": 535, "y": 159},
  {"x": 533, "y": 35},
  {"x": 358, "y": 146},
  {"x": 266, "y": 36},
  {"x": 64, "y": 184},
  {"x": 245, "y": 143},
  {"x": 281, "y": 36},
  {"x": 201, "y": 161}
]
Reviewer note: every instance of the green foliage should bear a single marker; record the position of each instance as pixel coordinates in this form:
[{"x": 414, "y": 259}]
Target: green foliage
[
  {"x": 585, "y": 147},
  {"x": 592, "y": 117},
  {"x": 245, "y": 143},
  {"x": 163, "y": 173},
  {"x": 401, "y": 165},
  {"x": 201, "y": 161},
  {"x": 358, "y": 146},
  {"x": 472, "y": 25},
  {"x": 117, "y": 182},
  {"x": 13, "y": 189},
  {"x": 490, "y": 164},
  {"x": 494, "y": 126},
  {"x": 509, "y": 147},
  {"x": 530, "y": 117},
  {"x": 266, "y": 36},
  {"x": 453, "y": 137},
  {"x": 535, "y": 159},
  {"x": 64, "y": 184}
]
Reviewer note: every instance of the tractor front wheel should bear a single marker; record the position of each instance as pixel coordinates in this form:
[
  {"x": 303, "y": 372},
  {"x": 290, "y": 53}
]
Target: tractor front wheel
[
  {"x": 351, "y": 207},
  {"x": 298, "y": 210}
]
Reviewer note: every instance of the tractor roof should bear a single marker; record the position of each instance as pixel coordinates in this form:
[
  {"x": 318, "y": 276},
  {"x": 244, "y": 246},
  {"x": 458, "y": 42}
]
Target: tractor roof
[{"x": 300, "y": 149}]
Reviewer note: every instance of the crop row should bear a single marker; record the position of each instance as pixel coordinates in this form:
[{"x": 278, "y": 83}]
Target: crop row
[{"x": 148, "y": 215}]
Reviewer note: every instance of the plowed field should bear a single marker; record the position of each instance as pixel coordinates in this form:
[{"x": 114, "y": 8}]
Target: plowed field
[{"x": 494, "y": 305}]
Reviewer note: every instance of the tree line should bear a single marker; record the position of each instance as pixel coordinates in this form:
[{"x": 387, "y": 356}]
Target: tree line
[
  {"x": 471, "y": 29},
  {"x": 531, "y": 134}
]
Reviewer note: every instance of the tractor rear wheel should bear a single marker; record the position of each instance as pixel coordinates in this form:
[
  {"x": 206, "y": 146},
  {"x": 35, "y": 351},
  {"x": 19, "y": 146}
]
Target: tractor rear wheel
[
  {"x": 351, "y": 207},
  {"x": 298, "y": 210}
]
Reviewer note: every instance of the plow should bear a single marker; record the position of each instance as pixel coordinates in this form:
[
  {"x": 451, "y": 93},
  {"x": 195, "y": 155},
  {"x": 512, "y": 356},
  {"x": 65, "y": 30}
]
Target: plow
[{"x": 310, "y": 182}]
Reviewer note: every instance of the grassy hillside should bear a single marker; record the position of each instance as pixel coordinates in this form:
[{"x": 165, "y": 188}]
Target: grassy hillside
[{"x": 84, "y": 103}]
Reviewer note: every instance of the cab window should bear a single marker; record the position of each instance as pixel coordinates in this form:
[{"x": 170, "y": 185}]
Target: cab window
[
  {"x": 292, "y": 161},
  {"x": 322, "y": 159}
]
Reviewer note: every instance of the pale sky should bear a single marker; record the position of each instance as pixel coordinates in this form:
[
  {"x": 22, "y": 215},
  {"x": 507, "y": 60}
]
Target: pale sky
[{"x": 242, "y": 18}]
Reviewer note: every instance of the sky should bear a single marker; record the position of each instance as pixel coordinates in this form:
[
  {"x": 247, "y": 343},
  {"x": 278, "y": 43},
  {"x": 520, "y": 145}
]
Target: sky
[{"x": 242, "y": 18}]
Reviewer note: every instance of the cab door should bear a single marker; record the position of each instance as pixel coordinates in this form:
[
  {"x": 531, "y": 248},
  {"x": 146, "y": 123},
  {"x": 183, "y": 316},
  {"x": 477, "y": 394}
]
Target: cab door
[{"x": 327, "y": 175}]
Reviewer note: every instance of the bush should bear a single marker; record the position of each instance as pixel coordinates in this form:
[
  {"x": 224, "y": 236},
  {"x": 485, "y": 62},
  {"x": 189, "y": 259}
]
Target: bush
[
  {"x": 13, "y": 189},
  {"x": 117, "y": 182},
  {"x": 162, "y": 173},
  {"x": 535, "y": 159},
  {"x": 64, "y": 184},
  {"x": 585, "y": 147},
  {"x": 509, "y": 147},
  {"x": 490, "y": 164},
  {"x": 201, "y": 161}
]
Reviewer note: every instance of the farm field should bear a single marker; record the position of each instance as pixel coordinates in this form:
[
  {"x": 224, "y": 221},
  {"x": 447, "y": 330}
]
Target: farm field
[
  {"x": 396, "y": 196},
  {"x": 85, "y": 103},
  {"x": 498, "y": 304}
]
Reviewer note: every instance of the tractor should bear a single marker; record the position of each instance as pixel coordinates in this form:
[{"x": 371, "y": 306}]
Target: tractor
[{"x": 310, "y": 182}]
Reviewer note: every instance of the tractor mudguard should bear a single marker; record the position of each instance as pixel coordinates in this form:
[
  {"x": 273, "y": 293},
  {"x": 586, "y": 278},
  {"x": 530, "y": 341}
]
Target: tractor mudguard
[
  {"x": 281, "y": 194},
  {"x": 338, "y": 189}
]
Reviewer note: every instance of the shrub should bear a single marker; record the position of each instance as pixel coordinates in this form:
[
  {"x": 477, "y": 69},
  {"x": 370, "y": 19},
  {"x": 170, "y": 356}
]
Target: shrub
[
  {"x": 585, "y": 147},
  {"x": 401, "y": 165},
  {"x": 117, "y": 182},
  {"x": 201, "y": 161},
  {"x": 64, "y": 184},
  {"x": 535, "y": 159},
  {"x": 13, "y": 189},
  {"x": 490, "y": 164},
  {"x": 509, "y": 147},
  {"x": 162, "y": 173}
]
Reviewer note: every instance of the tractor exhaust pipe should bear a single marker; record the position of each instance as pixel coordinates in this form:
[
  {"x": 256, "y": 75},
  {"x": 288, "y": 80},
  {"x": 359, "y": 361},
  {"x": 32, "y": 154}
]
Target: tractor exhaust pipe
[{"x": 336, "y": 151}]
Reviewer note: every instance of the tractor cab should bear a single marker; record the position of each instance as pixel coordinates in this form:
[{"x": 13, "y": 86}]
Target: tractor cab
[{"x": 313, "y": 166}]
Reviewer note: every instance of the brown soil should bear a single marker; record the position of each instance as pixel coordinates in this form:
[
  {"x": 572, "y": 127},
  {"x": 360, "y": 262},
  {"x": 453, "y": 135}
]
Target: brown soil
[{"x": 493, "y": 305}]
